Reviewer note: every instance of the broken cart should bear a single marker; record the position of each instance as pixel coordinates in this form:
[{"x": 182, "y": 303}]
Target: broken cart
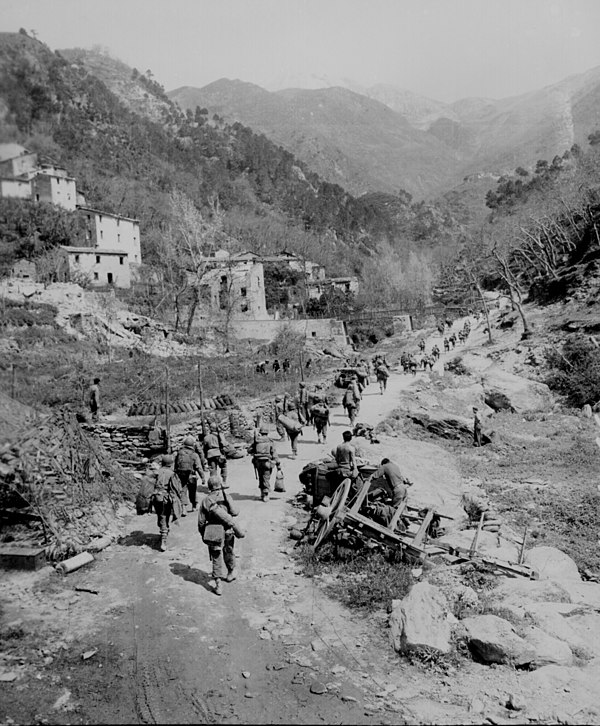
[{"x": 345, "y": 512}]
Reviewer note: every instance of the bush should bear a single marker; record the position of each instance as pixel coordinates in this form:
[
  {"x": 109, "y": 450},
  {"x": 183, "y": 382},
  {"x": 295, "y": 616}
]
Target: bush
[
  {"x": 456, "y": 366},
  {"x": 575, "y": 373}
]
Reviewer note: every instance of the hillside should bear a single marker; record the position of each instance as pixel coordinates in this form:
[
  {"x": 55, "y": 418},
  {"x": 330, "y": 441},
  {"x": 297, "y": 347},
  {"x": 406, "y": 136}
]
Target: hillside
[
  {"x": 130, "y": 147},
  {"x": 425, "y": 146},
  {"x": 350, "y": 139}
]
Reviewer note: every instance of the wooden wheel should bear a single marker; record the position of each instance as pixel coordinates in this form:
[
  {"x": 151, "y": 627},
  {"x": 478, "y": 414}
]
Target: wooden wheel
[{"x": 336, "y": 515}]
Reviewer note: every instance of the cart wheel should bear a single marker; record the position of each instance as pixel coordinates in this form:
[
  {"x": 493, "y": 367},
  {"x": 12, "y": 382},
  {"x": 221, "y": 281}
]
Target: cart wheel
[{"x": 338, "y": 503}]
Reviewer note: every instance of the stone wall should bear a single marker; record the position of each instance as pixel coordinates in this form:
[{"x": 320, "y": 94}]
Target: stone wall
[{"x": 325, "y": 330}]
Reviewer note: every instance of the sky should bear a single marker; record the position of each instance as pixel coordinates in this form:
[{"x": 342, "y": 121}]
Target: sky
[{"x": 443, "y": 49}]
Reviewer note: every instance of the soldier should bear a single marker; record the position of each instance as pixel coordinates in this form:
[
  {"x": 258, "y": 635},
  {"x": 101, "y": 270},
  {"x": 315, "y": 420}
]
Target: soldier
[
  {"x": 398, "y": 484},
  {"x": 286, "y": 365},
  {"x": 217, "y": 508},
  {"x": 214, "y": 451},
  {"x": 422, "y": 345},
  {"x": 302, "y": 403},
  {"x": 349, "y": 402},
  {"x": 320, "y": 418},
  {"x": 446, "y": 345},
  {"x": 280, "y": 407},
  {"x": 276, "y": 365},
  {"x": 187, "y": 466},
  {"x": 345, "y": 458},
  {"x": 382, "y": 374},
  {"x": 413, "y": 365},
  {"x": 293, "y": 429},
  {"x": 452, "y": 340},
  {"x": 435, "y": 352},
  {"x": 264, "y": 456},
  {"x": 94, "y": 398},
  {"x": 476, "y": 427},
  {"x": 166, "y": 498}
]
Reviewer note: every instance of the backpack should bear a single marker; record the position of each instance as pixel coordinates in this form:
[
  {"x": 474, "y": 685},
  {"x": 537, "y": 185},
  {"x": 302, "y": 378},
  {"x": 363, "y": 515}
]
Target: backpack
[
  {"x": 143, "y": 501},
  {"x": 262, "y": 450},
  {"x": 349, "y": 398},
  {"x": 185, "y": 459},
  {"x": 319, "y": 412}
]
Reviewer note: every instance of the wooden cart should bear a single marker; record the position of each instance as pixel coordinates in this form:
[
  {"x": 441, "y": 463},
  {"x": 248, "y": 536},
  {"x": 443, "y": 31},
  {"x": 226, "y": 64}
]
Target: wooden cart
[{"x": 343, "y": 513}]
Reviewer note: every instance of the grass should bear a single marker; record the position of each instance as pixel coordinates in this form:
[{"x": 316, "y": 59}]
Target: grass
[{"x": 364, "y": 579}]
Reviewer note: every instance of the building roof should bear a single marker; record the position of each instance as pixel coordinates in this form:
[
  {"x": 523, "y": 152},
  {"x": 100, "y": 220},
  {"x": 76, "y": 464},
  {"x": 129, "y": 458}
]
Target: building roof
[
  {"x": 106, "y": 214},
  {"x": 41, "y": 172},
  {"x": 12, "y": 151},
  {"x": 92, "y": 251}
]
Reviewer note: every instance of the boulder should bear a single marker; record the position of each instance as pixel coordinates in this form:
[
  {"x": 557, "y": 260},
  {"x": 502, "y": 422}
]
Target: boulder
[
  {"x": 548, "y": 650},
  {"x": 420, "y": 620},
  {"x": 494, "y": 640},
  {"x": 520, "y": 393},
  {"x": 552, "y": 564},
  {"x": 549, "y": 619},
  {"x": 517, "y": 591}
]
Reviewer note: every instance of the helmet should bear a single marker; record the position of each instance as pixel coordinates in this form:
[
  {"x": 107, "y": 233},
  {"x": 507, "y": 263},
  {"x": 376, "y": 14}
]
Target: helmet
[
  {"x": 214, "y": 427},
  {"x": 302, "y": 385},
  {"x": 167, "y": 459},
  {"x": 189, "y": 441},
  {"x": 278, "y": 399},
  {"x": 215, "y": 482},
  {"x": 317, "y": 399}
]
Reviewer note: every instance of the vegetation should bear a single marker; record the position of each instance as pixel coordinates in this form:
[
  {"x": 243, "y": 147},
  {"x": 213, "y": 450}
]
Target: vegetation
[
  {"x": 349, "y": 575},
  {"x": 575, "y": 372}
]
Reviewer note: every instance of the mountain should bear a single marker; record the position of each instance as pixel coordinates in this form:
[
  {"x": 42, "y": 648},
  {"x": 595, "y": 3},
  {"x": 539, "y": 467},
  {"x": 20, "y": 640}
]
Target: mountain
[
  {"x": 425, "y": 147},
  {"x": 348, "y": 138}
]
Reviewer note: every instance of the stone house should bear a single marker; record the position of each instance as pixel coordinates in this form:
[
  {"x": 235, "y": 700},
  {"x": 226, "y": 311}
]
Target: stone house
[{"x": 100, "y": 267}]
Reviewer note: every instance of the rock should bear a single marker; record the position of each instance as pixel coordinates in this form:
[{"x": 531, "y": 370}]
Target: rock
[
  {"x": 516, "y": 702},
  {"x": 419, "y": 620},
  {"x": 318, "y": 688},
  {"x": 546, "y": 617},
  {"x": 548, "y": 650},
  {"x": 587, "y": 410},
  {"x": 476, "y": 705},
  {"x": 498, "y": 401},
  {"x": 552, "y": 564},
  {"x": 517, "y": 590},
  {"x": 494, "y": 640}
]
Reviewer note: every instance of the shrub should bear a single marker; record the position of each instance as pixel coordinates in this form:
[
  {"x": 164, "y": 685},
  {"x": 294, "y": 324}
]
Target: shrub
[
  {"x": 456, "y": 366},
  {"x": 575, "y": 373}
]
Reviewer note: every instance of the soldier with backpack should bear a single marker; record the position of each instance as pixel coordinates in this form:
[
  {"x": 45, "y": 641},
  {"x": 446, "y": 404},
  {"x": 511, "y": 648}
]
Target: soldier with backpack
[
  {"x": 188, "y": 465},
  {"x": 214, "y": 451},
  {"x": 382, "y": 374},
  {"x": 264, "y": 456},
  {"x": 350, "y": 403},
  {"x": 320, "y": 418},
  {"x": 166, "y": 498}
]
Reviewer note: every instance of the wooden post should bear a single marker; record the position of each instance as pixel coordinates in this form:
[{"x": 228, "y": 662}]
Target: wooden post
[
  {"x": 301, "y": 367},
  {"x": 201, "y": 393},
  {"x": 522, "y": 552},
  {"x": 473, "y": 550},
  {"x": 12, "y": 381},
  {"x": 167, "y": 424}
]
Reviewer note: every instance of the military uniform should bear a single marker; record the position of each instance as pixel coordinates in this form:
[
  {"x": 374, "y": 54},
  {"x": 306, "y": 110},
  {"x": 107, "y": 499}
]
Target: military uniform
[
  {"x": 166, "y": 498},
  {"x": 264, "y": 456},
  {"x": 213, "y": 452},
  {"x": 187, "y": 465},
  {"x": 217, "y": 507}
]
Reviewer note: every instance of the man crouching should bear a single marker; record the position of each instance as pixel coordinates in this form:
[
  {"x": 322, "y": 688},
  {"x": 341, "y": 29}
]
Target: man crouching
[{"x": 218, "y": 530}]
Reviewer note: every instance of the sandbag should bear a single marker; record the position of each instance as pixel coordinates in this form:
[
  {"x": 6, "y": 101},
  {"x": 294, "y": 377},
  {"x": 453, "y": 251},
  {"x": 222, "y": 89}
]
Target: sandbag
[{"x": 291, "y": 425}]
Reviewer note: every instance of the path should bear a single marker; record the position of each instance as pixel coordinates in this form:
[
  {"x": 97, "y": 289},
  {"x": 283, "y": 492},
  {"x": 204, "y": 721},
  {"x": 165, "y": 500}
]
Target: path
[{"x": 272, "y": 649}]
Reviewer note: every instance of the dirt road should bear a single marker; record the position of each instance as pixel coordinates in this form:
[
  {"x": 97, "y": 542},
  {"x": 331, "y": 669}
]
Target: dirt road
[{"x": 272, "y": 649}]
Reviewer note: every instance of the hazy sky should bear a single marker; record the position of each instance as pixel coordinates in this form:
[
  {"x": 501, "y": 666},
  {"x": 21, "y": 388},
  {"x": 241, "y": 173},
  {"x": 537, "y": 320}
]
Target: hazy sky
[{"x": 444, "y": 49}]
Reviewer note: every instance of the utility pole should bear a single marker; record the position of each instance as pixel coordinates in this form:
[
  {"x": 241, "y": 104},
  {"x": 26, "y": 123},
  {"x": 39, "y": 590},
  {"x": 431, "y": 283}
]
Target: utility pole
[{"x": 167, "y": 425}]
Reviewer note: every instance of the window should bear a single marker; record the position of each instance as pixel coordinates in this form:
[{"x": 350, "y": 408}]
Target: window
[
  {"x": 96, "y": 276},
  {"x": 243, "y": 291},
  {"x": 118, "y": 238},
  {"x": 76, "y": 258},
  {"x": 109, "y": 277},
  {"x": 244, "y": 308},
  {"x": 314, "y": 333},
  {"x": 121, "y": 260},
  {"x": 100, "y": 218},
  {"x": 101, "y": 234},
  {"x": 97, "y": 259}
]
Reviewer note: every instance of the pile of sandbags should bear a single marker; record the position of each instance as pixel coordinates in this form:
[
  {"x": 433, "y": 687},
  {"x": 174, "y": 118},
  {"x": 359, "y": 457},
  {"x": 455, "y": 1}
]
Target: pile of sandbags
[{"x": 156, "y": 408}]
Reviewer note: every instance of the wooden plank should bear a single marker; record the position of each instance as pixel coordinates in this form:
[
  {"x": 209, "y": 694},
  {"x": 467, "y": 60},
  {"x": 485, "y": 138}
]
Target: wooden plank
[
  {"x": 422, "y": 533},
  {"x": 396, "y": 517}
]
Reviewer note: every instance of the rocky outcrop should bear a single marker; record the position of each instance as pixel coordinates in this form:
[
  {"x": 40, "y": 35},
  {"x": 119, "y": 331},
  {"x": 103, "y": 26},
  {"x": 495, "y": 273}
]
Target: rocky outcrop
[
  {"x": 547, "y": 650},
  {"x": 494, "y": 640},
  {"x": 420, "y": 620}
]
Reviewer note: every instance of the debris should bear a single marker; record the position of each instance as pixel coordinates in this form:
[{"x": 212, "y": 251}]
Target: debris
[
  {"x": 86, "y": 589},
  {"x": 74, "y": 563},
  {"x": 318, "y": 688},
  {"x": 246, "y": 674},
  {"x": 89, "y": 654},
  {"x": 349, "y": 698}
]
